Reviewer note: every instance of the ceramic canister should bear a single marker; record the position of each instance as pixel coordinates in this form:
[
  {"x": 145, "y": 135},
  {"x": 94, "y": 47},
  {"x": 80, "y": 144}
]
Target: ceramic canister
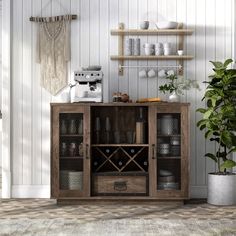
[{"x": 167, "y": 125}]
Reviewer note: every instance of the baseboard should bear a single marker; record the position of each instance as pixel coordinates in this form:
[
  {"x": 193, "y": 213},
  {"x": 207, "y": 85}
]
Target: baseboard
[
  {"x": 198, "y": 192},
  {"x": 31, "y": 191}
]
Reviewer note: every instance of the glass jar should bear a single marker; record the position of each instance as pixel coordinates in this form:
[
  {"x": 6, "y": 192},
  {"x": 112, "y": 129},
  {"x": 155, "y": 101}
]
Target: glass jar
[
  {"x": 63, "y": 127},
  {"x": 72, "y": 127}
]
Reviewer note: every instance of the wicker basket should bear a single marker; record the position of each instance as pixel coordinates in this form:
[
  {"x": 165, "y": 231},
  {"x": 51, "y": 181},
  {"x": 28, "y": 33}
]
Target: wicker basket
[{"x": 71, "y": 180}]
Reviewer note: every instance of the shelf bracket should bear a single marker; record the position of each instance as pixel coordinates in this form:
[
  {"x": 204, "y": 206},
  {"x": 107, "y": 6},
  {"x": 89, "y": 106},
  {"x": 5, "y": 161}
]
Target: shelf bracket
[{"x": 121, "y": 49}]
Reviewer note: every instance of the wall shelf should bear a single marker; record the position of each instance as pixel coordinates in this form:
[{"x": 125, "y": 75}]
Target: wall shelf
[
  {"x": 121, "y": 32},
  {"x": 151, "y": 32},
  {"x": 171, "y": 57}
]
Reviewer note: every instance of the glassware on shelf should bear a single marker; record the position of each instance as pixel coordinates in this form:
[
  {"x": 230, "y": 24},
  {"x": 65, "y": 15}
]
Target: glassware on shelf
[
  {"x": 72, "y": 149},
  {"x": 130, "y": 137},
  {"x": 63, "y": 127},
  {"x": 164, "y": 148},
  {"x": 72, "y": 127},
  {"x": 63, "y": 149},
  {"x": 97, "y": 129},
  {"x": 117, "y": 137},
  {"x": 81, "y": 149},
  {"x": 108, "y": 130},
  {"x": 80, "y": 127}
]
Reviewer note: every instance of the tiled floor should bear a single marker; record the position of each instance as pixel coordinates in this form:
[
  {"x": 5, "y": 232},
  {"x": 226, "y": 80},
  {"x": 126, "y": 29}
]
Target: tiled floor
[
  {"x": 47, "y": 209},
  {"x": 43, "y": 217}
]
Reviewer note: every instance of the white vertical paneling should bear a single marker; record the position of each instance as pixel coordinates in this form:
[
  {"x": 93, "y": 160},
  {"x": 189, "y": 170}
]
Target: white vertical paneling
[
  {"x": 113, "y": 47},
  {"x": 85, "y": 47},
  {"x": 91, "y": 43},
  {"x": 152, "y": 17},
  {"x": 27, "y": 93},
  {"x": 46, "y": 99},
  {"x": 17, "y": 45},
  {"x": 200, "y": 75},
  {"x": 94, "y": 27},
  {"x": 75, "y": 38},
  {"x": 142, "y": 15},
  {"x": 191, "y": 73},
  {"x": 104, "y": 47},
  {"x": 133, "y": 72},
  {"x": 123, "y": 81},
  {"x": 210, "y": 56}
]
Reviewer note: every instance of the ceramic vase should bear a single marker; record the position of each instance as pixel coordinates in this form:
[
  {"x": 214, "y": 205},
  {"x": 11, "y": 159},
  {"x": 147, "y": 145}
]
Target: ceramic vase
[{"x": 174, "y": 97}]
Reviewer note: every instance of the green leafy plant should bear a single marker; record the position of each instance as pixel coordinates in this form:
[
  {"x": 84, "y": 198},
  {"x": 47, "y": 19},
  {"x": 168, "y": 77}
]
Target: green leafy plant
[
  {"x": 178, "y": 85},
  {"x": 219, "y": 116}
]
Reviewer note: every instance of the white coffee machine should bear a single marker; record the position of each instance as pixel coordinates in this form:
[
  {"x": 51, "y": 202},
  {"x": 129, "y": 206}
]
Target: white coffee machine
[{"x": 88, "y": 86}]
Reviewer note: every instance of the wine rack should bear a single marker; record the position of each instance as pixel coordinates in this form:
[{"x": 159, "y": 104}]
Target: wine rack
[{"x": 119, "y": 159}]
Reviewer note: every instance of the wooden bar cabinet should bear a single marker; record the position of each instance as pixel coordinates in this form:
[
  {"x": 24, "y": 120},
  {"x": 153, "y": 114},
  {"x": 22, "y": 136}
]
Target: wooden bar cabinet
[{"x": 119, "y": 151}]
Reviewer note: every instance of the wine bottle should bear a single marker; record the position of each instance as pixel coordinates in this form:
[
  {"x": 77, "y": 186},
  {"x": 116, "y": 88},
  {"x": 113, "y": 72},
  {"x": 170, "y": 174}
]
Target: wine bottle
[{"x": 140, "y": 128}]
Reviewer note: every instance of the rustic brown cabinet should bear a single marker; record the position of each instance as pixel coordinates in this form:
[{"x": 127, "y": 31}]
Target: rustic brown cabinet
[{"x": 119, "y": 151}]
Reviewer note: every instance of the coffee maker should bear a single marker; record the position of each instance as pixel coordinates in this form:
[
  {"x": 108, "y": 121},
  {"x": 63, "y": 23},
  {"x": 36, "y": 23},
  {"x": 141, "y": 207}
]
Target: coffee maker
[{"x": 88, "y": 86}]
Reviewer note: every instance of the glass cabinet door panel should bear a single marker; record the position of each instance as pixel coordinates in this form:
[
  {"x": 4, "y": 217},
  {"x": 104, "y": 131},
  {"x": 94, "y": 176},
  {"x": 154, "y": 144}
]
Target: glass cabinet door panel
[
  {"x": 71, "y": 165},
  {"x": 168, "y": 151}
]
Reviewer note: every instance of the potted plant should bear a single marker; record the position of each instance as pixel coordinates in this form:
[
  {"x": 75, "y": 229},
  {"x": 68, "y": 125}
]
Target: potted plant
[
  {"x": 219, "y": 124},
  {"x": 176, "y": 86}
]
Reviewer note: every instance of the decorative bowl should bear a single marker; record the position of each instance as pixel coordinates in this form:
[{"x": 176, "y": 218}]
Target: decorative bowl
[{"x": 166, "y": 25}]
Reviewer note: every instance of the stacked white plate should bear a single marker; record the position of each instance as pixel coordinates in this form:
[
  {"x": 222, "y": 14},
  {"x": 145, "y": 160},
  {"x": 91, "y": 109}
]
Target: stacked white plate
[{"x": 71, "y": 180}]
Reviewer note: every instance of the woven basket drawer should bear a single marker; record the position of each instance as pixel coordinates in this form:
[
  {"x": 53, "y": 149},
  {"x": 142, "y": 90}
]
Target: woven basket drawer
[{"x": 111, "y": 185}]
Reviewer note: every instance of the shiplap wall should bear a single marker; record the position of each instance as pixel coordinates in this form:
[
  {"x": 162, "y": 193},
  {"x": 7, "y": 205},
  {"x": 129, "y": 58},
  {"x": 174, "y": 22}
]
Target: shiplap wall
[{"x": 92, "y": 43}]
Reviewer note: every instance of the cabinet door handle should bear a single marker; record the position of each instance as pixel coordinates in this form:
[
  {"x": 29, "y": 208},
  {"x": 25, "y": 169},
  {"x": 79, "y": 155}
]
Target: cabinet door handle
[
  {"x": 153, "y": 151},
  {"x": 87, "y": 151}
]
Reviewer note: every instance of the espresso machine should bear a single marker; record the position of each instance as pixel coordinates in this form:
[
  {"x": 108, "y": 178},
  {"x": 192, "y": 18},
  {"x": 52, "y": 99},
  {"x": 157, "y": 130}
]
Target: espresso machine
[{"x": 87, "y": 87}]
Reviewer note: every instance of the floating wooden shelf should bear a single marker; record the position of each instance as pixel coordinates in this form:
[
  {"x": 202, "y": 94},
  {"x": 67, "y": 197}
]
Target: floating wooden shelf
[
  {"x": 171, "y": 57},
  {"x": 121, "y": 32},
  {"x": 151, "y": 32}
]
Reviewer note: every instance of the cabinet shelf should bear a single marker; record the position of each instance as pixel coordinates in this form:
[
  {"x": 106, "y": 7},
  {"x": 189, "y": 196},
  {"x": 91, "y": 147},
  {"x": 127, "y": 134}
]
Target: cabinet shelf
[
  {"x": 71, "y": 158},
  {"x": 120, "y": 145},
  {"x": 152, "y": 32},
  {"x": 171, "y": 57},
  {"x": 168, "y": 157},
  {"x": 71, "y": 135}
]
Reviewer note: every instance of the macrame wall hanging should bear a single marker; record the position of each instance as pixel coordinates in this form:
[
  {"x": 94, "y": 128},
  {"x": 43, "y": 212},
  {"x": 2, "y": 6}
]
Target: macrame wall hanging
[{"x": 53, "y": 50}]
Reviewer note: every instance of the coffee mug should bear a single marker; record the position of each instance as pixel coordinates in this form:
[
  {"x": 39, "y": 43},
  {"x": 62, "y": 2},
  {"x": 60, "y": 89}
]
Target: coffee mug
[
  {"x": 149, "y": 51},
  {"x": 170, "y": 72},
  {"x": 151, "y": 73},
  {"x": 144, "y": 24},
  {"x": 142, "y": 74},
  {"x": 167, "y": 51},
  {"x": 180, "y": 52},
  {"x": 161, "y": 73}
]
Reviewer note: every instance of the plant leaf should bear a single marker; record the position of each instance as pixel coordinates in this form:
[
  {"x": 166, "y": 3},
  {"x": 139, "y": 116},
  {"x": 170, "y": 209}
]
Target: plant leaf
[
  {"x": 201, "y": 110},
  {"x": 226, "y": 138},
  {"x": 227, "y": 62},
  {"x": 227, "y": 164},
  {"x": 212, "y": 156},
  {"x": 217, "y": 64}
]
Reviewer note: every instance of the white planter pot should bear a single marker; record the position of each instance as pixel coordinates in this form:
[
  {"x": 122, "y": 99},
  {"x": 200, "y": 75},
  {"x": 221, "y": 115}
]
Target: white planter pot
[{"x": 221, "y": 189}]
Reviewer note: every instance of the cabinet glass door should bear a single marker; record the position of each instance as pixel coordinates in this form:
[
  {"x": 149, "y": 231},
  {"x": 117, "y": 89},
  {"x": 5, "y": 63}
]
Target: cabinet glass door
[
  {"x": 70, "y": 163},
  {"x": 169, "y": 151}
]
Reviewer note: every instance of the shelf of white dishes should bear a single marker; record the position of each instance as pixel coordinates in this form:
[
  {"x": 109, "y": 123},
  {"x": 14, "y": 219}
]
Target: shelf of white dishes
[
  {"x": 170, "y": 57},
  {"x": 151, "y": 32}
]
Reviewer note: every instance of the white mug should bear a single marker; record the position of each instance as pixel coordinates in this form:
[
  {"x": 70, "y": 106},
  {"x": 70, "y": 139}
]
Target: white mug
[
  {"x": 167, "y": 51},
  {"x": 142, "y": 74},
  {"x": 170, "y": 72},
  {"x": 180, "y": 52},
  {"x": 149, "y": 51},
  {"x": 144, "y": 24},
  {"x": 151, "y": 73},
  {"x": 161, "y": 73}
]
